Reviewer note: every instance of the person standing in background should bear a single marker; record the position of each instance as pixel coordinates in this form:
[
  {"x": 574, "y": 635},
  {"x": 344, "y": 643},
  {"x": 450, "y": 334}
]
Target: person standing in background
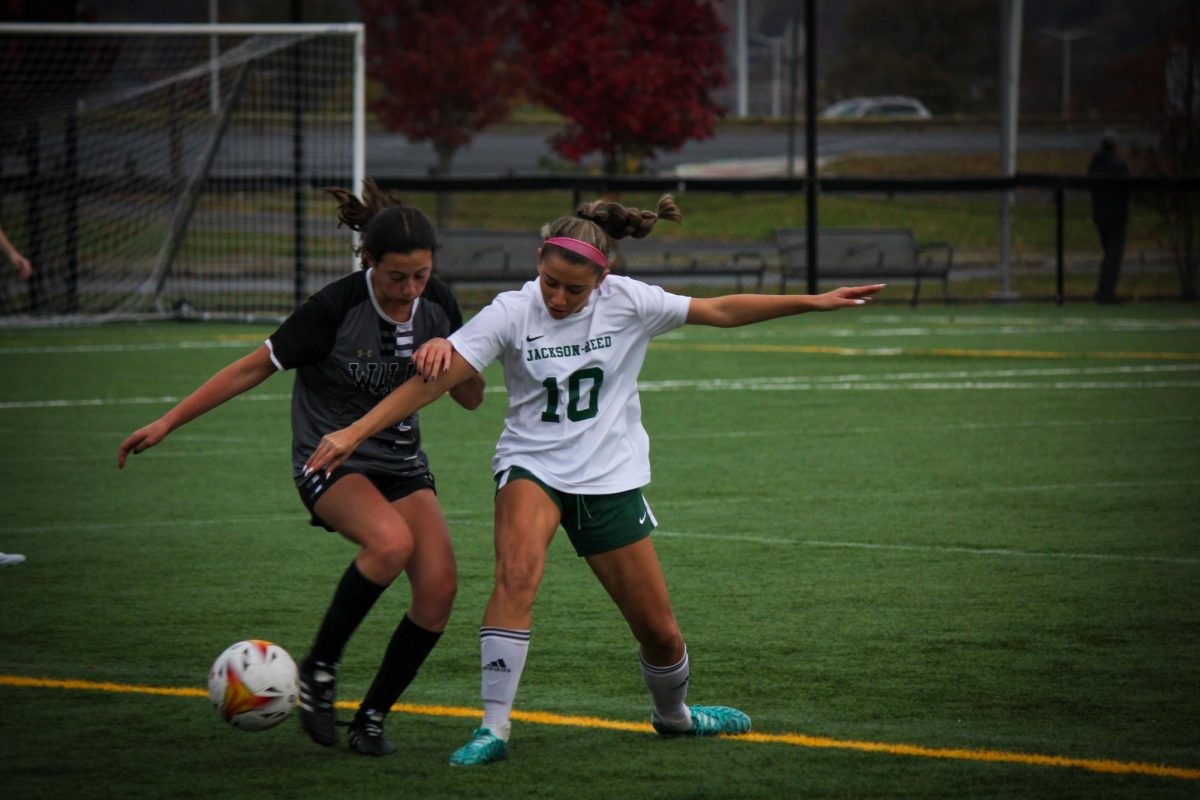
[{"x": 1110, "y": 213}]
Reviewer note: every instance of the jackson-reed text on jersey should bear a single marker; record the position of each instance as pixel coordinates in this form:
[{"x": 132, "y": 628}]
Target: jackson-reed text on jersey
[{"x": 568, "y": 350}]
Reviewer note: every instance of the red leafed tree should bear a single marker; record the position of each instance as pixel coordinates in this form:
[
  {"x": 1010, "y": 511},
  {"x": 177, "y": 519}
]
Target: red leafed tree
[
  {"x": 633, "y": 77},
  {"x": 447, "y": 69}
]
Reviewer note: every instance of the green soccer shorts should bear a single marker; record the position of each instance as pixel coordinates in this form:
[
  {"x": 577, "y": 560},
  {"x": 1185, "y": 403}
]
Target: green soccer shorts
[{"x": 595, "y": 523}]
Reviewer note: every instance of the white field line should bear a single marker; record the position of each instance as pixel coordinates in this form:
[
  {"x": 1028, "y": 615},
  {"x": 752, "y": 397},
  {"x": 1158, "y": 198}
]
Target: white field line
[
  {"x": 781, "y": 433},
  {"x": 893, "y": 326},
  {"x": 809, "y": 335},
  {"x": 124, "y": 401},
  {"x": 933, "y": 548},
  {"x": 800, "y": 381},
  {"x": 296, "y": 518},
  {"x": 710, "y": 386},
  {"x": 164, "y": 523},
  {"x": 969, "y": 319},
  {"x": 921, "y": 381},
  {"x": 477, "y": 520},
  {"x": 284, "y": 452},
  {"x": 774, "y": 433},
  {"x": 142, "y": 347},
  {"x": 910, "y": 492},
  {"x": 959, "y": 386},
  {"x": 1107, "y": 323},
  {"x": 921, "y": 325},
  {"x": 256, "y": 436}
]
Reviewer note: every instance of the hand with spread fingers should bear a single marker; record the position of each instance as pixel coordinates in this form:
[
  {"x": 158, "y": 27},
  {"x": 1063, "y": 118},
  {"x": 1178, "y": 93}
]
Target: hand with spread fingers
[
  {"x": 846, "y": 297},
  {"x": 333, "y": 449}
]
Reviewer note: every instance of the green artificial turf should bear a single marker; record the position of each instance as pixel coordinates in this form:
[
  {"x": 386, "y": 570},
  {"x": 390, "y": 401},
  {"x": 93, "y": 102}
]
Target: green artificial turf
[{"x": 956, "y": 530}]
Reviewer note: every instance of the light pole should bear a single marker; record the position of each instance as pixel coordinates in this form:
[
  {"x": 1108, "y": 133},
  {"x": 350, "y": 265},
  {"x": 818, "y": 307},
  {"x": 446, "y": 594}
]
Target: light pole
[
  {"x": 214, "y": 79},
  {"x": 776, "y": 45},
  {"x": 1066, "y": 37},
  {"x": 1010, "y": 84},
  {"x": 743, "y": 66}
]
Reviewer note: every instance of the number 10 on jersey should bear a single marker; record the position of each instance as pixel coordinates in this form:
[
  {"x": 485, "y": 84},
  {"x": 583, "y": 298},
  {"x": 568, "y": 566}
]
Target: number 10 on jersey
[{"x": 580, "y": 406}]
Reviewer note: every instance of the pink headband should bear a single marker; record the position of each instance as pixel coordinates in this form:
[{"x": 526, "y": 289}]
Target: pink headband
[{"x": 584, "y": 249}]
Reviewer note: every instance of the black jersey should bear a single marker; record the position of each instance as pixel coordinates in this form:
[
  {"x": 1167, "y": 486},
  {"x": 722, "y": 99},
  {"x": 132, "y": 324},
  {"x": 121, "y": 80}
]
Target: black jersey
[{"x": 348, "y": 355}]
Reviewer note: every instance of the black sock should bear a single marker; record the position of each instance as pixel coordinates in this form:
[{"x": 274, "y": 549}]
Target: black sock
[
  {"x": 352, "y": 600},
  {"x": 406, "y": 652}
]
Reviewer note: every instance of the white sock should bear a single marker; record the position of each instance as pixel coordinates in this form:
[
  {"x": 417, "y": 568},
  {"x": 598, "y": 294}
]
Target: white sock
[
  {"x": 668, "y": 686},
  {"x": 502, "y": 652}
]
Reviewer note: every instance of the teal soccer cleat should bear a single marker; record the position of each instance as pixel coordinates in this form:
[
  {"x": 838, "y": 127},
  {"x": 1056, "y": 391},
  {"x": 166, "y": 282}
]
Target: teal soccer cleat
[
  {"x": 484, "y": 748},
  {"x": 706, "y": 721}
]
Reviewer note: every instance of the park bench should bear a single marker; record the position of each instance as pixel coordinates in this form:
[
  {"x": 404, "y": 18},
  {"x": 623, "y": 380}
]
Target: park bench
[
  {"x": 865, "y": 253},
  {"x": 469, "y": 256},
  {"x": 695, "y": 261}
]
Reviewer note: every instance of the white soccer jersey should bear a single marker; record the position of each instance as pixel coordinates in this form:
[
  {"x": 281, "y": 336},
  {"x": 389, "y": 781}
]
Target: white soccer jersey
[{"x": 574, "y": 417}]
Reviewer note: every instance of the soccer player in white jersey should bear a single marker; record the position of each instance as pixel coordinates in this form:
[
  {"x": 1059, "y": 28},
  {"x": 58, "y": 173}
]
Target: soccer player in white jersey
[
  {"x": 352, "y": 343},
  {"x": 573, "y": 451}
]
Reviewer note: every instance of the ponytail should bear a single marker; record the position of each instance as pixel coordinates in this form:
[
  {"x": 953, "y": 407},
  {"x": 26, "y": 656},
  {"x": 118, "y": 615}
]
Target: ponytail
[
  {"x": 601, "y": 222},
  {"x": 386, "y": 222}
]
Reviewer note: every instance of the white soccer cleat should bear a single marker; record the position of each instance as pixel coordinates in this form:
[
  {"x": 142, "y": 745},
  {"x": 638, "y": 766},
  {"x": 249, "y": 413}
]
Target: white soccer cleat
[{"x": 11, "y": 559}]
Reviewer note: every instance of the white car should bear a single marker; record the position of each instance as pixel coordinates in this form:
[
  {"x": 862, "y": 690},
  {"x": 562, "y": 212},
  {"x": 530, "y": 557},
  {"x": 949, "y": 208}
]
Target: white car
[{"x": 877, "y": 108}]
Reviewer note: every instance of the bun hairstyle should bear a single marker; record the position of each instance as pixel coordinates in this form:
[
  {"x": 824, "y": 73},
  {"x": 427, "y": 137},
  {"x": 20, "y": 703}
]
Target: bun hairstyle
[
  {"x": 386, "y": 223},
  {"x": 601, "y": 222}
]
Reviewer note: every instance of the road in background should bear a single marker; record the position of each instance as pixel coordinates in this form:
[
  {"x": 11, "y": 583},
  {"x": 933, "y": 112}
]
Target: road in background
[{"x": 526, "y": 152}]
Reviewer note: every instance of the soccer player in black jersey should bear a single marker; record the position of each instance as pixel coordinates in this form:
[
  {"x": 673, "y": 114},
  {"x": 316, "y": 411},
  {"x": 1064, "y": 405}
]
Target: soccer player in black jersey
[{"x": 351, "y": 343}]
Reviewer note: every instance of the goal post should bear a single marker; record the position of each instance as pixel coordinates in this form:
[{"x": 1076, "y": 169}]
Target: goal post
[{"x": 146, "y": 172}]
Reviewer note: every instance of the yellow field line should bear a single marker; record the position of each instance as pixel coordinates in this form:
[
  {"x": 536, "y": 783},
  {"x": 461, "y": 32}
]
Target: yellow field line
[
  {"x": 98, "y": 686},
  {"x": 794, "y": 739},
  {"x": 945, "y": 352},
  {"x": 1033, "y": 759}
]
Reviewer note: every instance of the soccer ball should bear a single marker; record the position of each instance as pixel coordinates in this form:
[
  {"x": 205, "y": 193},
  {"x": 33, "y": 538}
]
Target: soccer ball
[{"x": 253, "y": 685}]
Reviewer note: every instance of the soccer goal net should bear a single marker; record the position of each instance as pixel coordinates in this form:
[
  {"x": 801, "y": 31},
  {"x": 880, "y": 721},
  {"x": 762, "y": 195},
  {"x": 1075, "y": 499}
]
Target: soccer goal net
[{"x": 158, "y": 170}]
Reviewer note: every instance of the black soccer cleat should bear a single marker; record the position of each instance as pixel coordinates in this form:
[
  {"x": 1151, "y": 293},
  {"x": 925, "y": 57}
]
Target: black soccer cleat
[
  {"x": 366, "y": 734},
  {"x": 318, "y": 682}
]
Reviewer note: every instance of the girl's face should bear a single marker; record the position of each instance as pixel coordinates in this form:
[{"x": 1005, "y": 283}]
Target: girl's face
[
  {"x": 566, "y": 287},
  {"x": 401, "y": 277}
]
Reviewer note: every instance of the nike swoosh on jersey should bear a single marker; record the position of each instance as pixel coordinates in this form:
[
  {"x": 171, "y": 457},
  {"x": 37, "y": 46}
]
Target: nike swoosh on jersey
[{"x": 534, "y": 338}]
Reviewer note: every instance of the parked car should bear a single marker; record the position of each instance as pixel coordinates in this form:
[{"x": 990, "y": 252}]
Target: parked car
[{"x": 877, "y": 108}]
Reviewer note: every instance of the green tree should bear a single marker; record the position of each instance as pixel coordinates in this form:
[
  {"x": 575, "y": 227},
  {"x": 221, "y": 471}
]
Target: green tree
[
  {"x": 448, "y": 70},
  {"x": 632, "y": 78}
]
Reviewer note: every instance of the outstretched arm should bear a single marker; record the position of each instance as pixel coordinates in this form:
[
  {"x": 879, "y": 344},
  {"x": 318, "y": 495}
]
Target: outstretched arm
[
  {"x": 433, "y": 358},
  {"x": 240, "y": 376},
  {"x": 732, "y": 310},
  {"x": 408, "y": 398}
]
